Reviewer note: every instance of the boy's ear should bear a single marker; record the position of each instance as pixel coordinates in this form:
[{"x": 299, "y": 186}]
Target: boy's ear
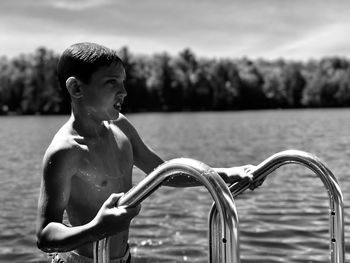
[{"x": 74, "y": 87}]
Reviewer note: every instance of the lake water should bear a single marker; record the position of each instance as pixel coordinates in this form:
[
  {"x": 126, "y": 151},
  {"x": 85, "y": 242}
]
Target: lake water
[{"x": 285, "y": 220}]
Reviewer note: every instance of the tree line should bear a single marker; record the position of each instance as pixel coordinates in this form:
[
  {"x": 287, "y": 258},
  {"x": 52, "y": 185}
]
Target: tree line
[{"x": 185, "y": 82}]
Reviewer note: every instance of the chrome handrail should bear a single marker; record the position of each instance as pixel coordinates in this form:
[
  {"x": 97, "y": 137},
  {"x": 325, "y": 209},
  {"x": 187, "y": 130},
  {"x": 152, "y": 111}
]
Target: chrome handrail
[
  {"x": 337, "y": 247},
  {"x": 227, "y": 235}
]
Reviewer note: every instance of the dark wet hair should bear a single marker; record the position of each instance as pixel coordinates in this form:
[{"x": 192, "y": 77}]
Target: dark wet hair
[{"x": 81, "y": 60}]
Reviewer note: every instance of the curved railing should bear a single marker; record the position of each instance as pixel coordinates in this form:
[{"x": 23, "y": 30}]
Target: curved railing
[
  {"x": 223, "y": 219},
  {"x": 227, "y": 235},
  {"x": 337, "y": 248}
]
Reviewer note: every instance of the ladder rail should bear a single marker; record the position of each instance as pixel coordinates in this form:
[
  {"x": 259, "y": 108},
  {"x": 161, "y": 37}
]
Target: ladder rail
[
  {"x": 336, "y": 216},
  {"x": 227, "y": 235}
]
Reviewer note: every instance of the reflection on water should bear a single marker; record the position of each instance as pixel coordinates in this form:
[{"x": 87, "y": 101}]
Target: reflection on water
[{"x": 285, "y": 220}]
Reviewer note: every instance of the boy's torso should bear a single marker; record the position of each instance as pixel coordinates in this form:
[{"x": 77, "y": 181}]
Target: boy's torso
[{"x": 105, "y": 167}]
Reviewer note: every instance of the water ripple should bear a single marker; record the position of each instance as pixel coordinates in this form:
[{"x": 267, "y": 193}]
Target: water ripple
[{"x": 285, "y": 220}]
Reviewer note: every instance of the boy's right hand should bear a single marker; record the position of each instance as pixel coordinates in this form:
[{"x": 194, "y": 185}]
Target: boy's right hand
[{"x": 111, "y": 219}]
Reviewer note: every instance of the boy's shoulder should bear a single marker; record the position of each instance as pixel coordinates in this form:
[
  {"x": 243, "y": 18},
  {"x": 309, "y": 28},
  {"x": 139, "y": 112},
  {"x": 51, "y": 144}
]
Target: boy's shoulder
[
  {"x": 123, "y": 124},
  {"x": 64, "y": 147},
  {"x": 122, "y": 120}
]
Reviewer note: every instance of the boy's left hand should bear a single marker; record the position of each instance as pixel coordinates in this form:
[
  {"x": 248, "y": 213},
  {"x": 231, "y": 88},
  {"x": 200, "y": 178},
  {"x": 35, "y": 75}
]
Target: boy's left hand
[
  {"x": 245, "y": 172},
  {"x": 236, "y": 174}
]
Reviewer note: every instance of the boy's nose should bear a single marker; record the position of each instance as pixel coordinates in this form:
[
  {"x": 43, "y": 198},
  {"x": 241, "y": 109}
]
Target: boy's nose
[{"x": 122, "y": 92}]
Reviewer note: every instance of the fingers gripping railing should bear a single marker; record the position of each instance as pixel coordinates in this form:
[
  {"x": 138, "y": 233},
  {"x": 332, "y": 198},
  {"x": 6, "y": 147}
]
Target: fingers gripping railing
[
  {"x": 337, "y": 247},
  {"x": 227, "y": 234}
]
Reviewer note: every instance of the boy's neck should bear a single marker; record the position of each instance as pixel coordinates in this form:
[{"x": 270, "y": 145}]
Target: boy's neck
[{"x": 86, "y": 125}]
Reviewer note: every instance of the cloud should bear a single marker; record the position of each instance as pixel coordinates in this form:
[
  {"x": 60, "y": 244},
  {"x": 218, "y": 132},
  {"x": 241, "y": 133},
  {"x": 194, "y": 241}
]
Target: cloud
[
  {"x": 78, "y": 4},
  {"x": 266, "y": 28},
  {"x": 331, "y": 40}
]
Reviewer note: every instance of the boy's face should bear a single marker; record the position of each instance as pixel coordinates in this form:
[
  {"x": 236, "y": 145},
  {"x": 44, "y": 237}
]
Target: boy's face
[{"x": 104, "y": 94}]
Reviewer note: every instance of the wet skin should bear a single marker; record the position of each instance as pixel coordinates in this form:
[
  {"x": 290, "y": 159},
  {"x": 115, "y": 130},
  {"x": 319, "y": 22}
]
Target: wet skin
[
  {"x": 90, "y": 158},
  {"x": 105, "y": 168}
]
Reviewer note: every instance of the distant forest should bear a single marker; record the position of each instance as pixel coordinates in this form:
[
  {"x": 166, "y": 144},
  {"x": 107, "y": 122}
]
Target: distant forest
[{"x": 185, "y": 82}]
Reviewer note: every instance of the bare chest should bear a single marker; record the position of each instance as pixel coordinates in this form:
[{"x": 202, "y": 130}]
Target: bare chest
[{"x": 106, "y": 168}]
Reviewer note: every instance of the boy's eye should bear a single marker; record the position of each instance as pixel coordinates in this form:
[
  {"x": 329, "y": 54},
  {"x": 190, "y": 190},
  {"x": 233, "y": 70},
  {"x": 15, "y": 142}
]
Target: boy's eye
[
  {"x": 111, "y": 81},
  {"x": 114, "y": 81}
]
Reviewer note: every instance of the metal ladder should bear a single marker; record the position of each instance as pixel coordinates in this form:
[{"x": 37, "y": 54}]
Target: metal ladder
[{"x": 223, "y": 217}]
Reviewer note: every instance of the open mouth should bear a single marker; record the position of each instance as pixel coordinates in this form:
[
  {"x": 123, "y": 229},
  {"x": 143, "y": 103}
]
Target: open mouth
[{"x": 118, "y": 106}]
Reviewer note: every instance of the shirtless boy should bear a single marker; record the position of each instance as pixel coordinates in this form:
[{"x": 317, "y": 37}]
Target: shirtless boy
[{"x": 90, "y": 159}]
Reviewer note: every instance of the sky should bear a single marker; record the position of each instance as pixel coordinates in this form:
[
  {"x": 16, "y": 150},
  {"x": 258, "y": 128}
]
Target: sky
[{"x": 268, "y": 29}]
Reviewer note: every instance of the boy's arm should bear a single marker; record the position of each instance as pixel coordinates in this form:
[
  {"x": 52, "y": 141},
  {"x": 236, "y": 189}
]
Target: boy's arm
[
  {"x": 147, "y": 160},
  {"x": 52, "y": 234}
]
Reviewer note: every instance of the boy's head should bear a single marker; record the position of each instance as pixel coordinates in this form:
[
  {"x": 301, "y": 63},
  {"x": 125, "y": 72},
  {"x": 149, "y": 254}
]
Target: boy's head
[{"x": 81, "y": 60}]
